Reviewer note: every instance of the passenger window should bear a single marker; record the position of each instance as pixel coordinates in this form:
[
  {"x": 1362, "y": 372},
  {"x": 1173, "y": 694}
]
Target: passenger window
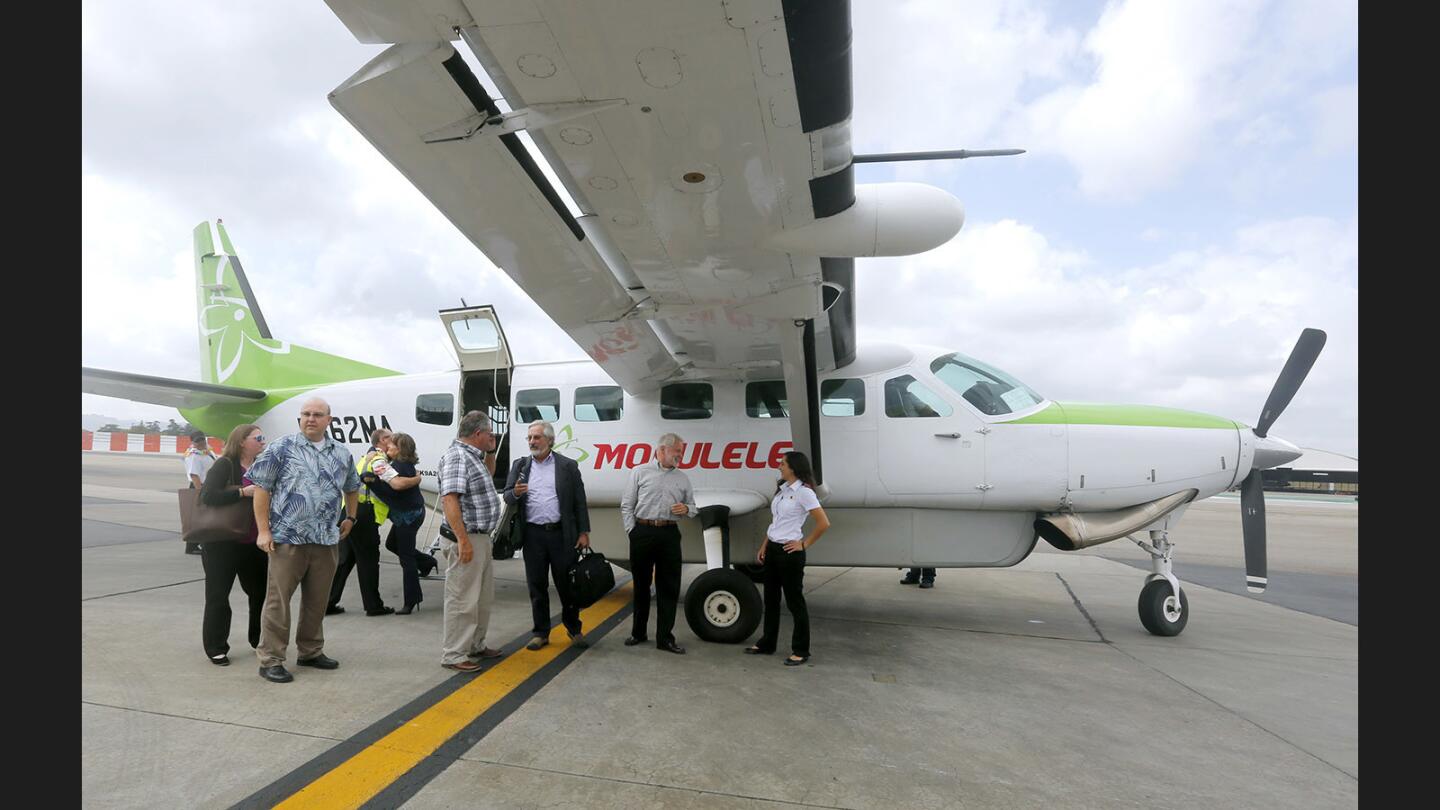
[
  {"x": 599, "y": 403},
  {"x": 906, "y": 396},
  {"x": 842, "y": 397},
  {"x": 687, "y": 401},
  {"x": 766, "y": 400},
  {"x": 536, "y": 404},
  {"x": 435, "y": 409}
]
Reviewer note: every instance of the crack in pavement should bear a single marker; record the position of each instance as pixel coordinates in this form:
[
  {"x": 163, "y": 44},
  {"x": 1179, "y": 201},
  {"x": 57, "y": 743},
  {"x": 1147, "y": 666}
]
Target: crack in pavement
[
  {"x": 1234, "y": 712},
  {"x": 1081, "y": 608},
  {"x": 142, "y": 590},
  {"x": 617, "y": 779},
  {"x": 1011, "y": 634},
  {"x": 205, "y": 720}
]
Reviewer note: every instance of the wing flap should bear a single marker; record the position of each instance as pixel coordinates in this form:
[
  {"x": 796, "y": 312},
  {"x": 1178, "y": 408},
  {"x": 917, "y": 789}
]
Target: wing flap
[
  {"x": 163, "y": 390},
  {"x": 485, "y": 188}
]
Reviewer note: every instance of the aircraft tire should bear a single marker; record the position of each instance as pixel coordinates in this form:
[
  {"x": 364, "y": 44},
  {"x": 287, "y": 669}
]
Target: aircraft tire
[
  {"x": 1159, "y": 617},
  {"x": 754, "y": 571},
  {"x": 723, "y": 605}
]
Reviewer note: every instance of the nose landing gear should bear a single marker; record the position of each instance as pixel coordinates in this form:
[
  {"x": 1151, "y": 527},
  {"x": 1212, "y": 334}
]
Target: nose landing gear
[
  {"x": 722, "y": 604},
  {"x": 1163, "y": 607}
]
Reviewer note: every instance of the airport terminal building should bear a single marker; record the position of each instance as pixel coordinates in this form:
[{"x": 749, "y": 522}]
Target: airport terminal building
[{"x": 1316, "y": 471}]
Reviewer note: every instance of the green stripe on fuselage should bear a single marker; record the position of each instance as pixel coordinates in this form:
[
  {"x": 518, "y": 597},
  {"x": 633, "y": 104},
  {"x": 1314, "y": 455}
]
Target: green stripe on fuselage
[{"x": 1127, "y": 415}]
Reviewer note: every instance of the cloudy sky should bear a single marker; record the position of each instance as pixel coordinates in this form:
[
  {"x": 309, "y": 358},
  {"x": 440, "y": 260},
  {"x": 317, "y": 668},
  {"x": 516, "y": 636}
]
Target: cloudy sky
[{"x": 1187, "y": 205}]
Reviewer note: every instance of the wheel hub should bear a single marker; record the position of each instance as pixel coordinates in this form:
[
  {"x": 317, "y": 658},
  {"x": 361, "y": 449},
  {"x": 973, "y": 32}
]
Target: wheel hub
[
  {"x": 722, "y": 608},
  {"x": 1172, "y": 609}
]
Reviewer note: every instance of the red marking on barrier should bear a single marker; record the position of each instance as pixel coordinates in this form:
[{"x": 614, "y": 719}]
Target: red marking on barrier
[
  {"x": 87, "y": 440},
  {"x": 152, "y": 443},
  {"x": 118, "y": 441},
  {"x": 182, "y": 443},
  {"x": 217, "y": 446}
]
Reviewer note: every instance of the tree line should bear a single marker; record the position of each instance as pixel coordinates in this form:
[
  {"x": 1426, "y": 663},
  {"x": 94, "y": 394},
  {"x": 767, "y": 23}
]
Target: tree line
[{"x": 172, "y": 429}]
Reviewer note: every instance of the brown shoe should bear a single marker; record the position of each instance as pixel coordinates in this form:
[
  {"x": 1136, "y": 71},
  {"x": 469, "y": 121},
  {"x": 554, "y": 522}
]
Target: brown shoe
[
  {"x": 486, "y": 652},
  {"x": 463, "y": 666}
]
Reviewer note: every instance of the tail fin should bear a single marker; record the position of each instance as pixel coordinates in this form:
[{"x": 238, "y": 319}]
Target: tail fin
[{"x": 236, "y": 347}]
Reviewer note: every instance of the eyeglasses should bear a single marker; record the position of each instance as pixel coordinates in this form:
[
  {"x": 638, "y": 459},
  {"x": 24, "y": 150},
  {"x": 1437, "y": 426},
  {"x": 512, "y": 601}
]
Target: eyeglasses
[{"x": 260, "y": 439}]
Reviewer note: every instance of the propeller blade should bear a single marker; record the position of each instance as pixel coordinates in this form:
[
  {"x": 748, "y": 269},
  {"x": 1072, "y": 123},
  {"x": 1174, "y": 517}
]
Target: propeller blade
[
  {"x": 1252, "y": 527},
  {"x": 1302, "y": 357}
]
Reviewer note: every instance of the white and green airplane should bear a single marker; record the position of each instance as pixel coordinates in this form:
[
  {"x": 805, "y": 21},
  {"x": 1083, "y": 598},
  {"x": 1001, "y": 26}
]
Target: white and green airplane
[{"x": 685, "y": 209}]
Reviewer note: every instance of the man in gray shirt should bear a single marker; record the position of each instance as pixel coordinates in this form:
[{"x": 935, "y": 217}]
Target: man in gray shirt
[{"x": 657, "y": 496}]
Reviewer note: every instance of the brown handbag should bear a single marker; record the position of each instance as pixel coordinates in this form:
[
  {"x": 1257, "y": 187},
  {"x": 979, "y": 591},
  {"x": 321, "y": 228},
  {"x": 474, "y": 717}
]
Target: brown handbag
[{"x": 200, "y": 523}]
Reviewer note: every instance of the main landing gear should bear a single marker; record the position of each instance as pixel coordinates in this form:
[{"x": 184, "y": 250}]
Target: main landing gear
[
  {"x": 722, "y": 604},
  {"x": 1163, "y": 606}
]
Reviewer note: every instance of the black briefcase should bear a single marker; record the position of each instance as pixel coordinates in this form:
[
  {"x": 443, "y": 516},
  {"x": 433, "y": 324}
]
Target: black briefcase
[{"x": 590, "y": 578}]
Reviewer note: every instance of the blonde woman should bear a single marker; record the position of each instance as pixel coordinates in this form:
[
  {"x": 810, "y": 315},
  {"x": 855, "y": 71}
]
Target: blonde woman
[{"x": 407, "y": 511}]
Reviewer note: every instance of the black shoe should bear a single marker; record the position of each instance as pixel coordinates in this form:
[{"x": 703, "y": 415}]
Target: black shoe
[
  {"x": 380, "y": 611},
  {"x": 792, "y": 662},
  {"x": 578, "y": 640},
  {"x": 756, "y": 649},
  {"x": 320, "y": 661},
  {"x": 633, "y": 640},
  {"x": 331, "y": 610},
  {"x": 221, "y": 660},
  {"x": 927, "y": 583},
  {"x": 908, "y": 580},
  {"x": 670, "y": 646},
  {"x": 195, "y": 550},
  {"x": 408, "y": 609},
  {"x": 276, "y": 674}
]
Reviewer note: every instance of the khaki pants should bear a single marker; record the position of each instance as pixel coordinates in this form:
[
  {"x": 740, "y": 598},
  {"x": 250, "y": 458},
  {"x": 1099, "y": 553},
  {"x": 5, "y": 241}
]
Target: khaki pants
[
  {"x": 469, "y": 592},
  {"x": 311, "y": 567}
]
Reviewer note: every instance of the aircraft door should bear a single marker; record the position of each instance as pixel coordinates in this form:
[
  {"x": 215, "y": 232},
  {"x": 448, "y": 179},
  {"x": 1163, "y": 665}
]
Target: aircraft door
[
  {"x": 485, "y": 367},
  {"x": 928, "y": 446},
  {"x": 478, "y": 340}
]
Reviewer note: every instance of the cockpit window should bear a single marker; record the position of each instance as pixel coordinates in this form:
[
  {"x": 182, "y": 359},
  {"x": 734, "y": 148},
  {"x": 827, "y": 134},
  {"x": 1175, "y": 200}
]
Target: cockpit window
[
  {"x": 907, "y": 397},
  {"x": 990, "y": 390}
]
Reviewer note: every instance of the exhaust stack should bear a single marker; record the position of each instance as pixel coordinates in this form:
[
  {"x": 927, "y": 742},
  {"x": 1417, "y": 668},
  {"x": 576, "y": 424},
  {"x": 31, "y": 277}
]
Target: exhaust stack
[{"x": 1073, "y": 531}]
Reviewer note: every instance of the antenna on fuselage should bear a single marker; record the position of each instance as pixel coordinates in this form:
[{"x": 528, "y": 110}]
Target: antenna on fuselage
[{"x": 944, "y": 154}]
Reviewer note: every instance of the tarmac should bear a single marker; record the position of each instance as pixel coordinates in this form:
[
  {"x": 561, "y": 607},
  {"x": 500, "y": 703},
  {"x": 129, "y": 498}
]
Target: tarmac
[{"x": 1032, "y": 685}]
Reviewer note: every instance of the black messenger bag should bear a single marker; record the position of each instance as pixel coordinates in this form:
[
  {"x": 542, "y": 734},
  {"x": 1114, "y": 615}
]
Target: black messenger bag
[{"x": 590, "y": 578}]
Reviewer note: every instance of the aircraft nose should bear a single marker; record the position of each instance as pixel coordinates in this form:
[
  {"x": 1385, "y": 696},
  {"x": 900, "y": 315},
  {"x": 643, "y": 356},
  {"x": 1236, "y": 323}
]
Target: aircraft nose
[{"x": 1272, "y": 451}]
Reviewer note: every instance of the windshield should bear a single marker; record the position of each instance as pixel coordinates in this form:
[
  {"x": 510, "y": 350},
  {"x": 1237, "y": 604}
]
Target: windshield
[{"x": 990, "y": 390}]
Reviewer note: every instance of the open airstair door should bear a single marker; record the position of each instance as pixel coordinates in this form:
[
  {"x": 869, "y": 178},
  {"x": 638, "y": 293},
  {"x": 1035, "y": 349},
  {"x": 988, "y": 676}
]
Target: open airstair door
[
  {"x": 477, "y": 337},
  {"x": 485, "y": 366}
]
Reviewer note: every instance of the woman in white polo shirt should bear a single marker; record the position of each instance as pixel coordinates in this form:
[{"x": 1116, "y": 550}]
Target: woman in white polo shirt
[{"x": 783, "y": 555}]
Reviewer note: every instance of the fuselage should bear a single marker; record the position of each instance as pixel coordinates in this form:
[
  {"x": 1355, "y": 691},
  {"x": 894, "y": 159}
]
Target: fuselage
[{"x": 893, "y": 433}]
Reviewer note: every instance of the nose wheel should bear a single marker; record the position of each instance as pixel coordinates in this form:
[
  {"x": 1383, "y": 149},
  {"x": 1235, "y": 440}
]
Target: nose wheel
[{"x": 1163, "y": 607}]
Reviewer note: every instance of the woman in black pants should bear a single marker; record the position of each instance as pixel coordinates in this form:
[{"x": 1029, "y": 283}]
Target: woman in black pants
[
  {"x": 224, "y": 561},
  {"x": 783, "y": 555},
  {"x": 398, "y": 487}
]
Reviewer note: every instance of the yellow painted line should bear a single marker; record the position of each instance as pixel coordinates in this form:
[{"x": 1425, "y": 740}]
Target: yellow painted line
[{"x": 358, "y": 779}]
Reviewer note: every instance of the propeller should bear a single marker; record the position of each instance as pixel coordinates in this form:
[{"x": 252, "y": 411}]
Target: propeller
[{"x": 1271, "y": 453}]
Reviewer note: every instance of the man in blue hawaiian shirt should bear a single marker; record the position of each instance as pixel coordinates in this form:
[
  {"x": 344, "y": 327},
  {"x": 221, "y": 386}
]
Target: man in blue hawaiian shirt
[{"x": 300, "y": 482}]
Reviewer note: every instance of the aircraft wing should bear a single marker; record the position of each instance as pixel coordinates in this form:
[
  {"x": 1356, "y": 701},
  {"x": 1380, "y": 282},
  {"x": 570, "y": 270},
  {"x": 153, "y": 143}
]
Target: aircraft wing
[
  {"x": 162, "y": 390},
  {"x": 705, "y": 148}
]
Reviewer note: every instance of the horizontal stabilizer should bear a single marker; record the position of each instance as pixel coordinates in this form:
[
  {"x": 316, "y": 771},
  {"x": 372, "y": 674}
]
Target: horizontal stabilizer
[{"x": 162, "y": 390}]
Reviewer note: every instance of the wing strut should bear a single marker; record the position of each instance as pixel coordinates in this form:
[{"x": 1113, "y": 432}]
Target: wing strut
[{"x": 802, "y": 393}]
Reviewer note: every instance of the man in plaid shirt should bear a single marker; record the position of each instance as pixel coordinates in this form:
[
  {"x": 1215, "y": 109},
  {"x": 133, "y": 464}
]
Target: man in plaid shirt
[{"x": 467, "y": 494}]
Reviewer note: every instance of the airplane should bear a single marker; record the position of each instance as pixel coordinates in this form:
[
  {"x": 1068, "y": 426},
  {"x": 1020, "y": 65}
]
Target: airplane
[{"x": 683, "y": 205}]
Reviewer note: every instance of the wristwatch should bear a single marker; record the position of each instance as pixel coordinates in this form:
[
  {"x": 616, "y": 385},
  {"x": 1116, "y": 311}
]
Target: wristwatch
[{"x": 350, "y": 518}]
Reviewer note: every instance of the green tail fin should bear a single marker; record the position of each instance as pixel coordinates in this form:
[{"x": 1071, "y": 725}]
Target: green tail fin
[{"x": 236, "y": 347}]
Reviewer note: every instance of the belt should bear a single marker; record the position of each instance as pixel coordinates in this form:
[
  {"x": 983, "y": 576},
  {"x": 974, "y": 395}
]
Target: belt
[
  {"x": 649, "y": 522},
  {"x": 549, "y": 527}
]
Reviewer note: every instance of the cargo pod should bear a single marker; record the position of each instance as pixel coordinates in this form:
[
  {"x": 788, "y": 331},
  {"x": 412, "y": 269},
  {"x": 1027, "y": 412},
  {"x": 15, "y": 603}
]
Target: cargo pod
[{"x": 485, "y": 369}]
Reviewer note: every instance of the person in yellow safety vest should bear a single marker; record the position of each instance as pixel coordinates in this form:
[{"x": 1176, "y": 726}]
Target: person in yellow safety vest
[{"x": 360, "y": 549}]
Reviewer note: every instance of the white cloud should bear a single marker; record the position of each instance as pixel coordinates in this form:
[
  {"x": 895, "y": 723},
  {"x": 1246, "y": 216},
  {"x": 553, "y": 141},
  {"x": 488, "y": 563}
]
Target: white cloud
[{"x": 1205, "y": 330}]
